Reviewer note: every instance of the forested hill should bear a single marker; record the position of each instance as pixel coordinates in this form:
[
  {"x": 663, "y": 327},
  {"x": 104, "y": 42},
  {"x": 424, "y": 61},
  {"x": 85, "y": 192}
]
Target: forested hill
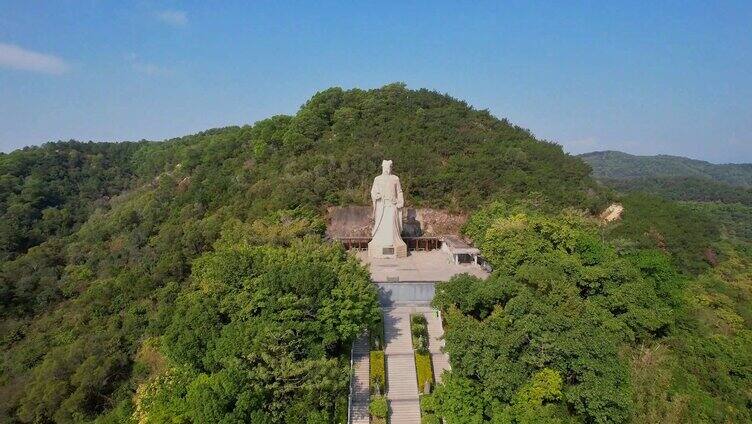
[
  {"x": 620, "y": 166},
  {"x": 680, "y": 179},
  {"x": 135, "y": 278},
  {"x": 48, "y": 191},
  {"x": 188, "y": 281}
]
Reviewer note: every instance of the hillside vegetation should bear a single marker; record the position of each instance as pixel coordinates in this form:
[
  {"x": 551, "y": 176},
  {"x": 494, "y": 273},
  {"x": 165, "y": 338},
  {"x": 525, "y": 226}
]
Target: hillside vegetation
[
  {"x": 643, "y": 320},
  {"x": 721, "y": 194},
  {"x": 189, "y": 279},
  {"x": 684, "y": 189},
  {"x": 734, "y": 220},
  {"x": 580, "y": 323},
  {"x": 50, "y": 191}
]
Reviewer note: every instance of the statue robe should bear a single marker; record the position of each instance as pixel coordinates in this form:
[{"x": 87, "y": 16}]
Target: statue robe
[{"x": 388, "y": 200}]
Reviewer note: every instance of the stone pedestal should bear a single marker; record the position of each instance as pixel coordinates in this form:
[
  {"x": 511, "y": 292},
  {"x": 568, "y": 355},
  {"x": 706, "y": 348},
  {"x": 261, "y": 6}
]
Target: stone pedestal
[{"x": 378, "y": 250}]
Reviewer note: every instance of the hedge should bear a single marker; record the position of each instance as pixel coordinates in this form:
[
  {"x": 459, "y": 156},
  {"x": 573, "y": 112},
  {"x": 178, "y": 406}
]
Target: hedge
[
  {"x": 425, "y": 371},
  {"x": 428, "y": 404},
  {"x": 377, "y": 373},
  {"x": 376, "y": 332},
  {"x": 379, "y": 409},
  {"x": 419, "y": 331},
  {"x": 428, "y": 410},
  {"x": 429, "y": 419}
]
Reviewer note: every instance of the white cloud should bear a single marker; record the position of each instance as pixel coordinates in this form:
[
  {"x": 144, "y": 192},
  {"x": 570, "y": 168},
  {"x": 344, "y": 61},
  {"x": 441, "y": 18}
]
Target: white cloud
[
  {"x": 176, "y": 18},
  {"x": 15, "y": 57}
]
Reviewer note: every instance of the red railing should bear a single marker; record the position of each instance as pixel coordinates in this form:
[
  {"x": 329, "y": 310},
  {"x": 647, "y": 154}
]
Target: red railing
[{"x": 413, "y": 243}]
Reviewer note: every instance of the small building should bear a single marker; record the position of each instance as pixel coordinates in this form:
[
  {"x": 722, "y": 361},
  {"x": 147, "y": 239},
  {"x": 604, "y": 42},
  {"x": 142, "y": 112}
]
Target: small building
[{"x": 459, "y": 250}]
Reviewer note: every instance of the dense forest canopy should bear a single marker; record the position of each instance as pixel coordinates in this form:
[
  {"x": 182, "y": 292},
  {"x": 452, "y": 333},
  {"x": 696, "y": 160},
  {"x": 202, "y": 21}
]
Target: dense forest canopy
[
  {"x": 646, "y": 319},
  {"x": 684, "y": 189},
  {"x": 734, "y": 220},
  {"x": 188, "y": 280},
  {"x": 146, "y": 280},
  {"x": 49, "y": 191},
  {"x": 560, "y": 301},
  {"x": 604, "y": 325}
]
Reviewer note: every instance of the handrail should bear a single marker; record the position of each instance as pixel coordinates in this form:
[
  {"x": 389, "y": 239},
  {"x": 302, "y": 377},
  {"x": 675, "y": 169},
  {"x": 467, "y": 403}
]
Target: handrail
[{"x": 352, "y": 374}]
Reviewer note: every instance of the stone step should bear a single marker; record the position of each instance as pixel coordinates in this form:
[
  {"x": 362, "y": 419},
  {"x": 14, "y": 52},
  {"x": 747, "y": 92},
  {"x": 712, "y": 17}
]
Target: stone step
[
  {"x": 402, "y": 377},
  {"x": 439, "y": 359},
  {"x": 361, "y": 374}
]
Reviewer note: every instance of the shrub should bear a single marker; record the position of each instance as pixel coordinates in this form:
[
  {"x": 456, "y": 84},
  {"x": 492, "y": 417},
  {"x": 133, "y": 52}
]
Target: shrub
[
  {"x": 425, "y": 371},
  {"x": 419, "y": 331},
  {"x": 427, "y": 403},
  {"x": 418, "y": 319},
  {"x": 429, "y": 419},
  {"x": 377, "y": 372},
  {"x": 379, "y": 407},
  {"x": 377, "y": 333}
]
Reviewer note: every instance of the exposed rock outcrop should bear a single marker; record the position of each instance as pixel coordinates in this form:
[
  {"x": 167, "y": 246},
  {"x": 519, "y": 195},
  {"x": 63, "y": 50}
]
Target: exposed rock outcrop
[{"x": 612, "y": 213}]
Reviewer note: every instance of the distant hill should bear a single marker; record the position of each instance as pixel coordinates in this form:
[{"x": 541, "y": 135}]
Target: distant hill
[
  {"x": 622, "y": 166},
  {"x": 722, "y": 192},
  {"x": 684, "y": 189}
]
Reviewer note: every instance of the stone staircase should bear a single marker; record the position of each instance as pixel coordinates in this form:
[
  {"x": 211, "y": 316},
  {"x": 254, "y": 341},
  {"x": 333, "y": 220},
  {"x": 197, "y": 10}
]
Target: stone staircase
[
  {"x": 439, "y": 359},
  {"x": 402, "y": 380},
  {"x": 361, "y": 376}
]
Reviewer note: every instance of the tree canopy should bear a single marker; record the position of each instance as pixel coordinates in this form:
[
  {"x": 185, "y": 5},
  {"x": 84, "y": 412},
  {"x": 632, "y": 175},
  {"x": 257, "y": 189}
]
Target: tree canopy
[{"x": 572, "y": 328}]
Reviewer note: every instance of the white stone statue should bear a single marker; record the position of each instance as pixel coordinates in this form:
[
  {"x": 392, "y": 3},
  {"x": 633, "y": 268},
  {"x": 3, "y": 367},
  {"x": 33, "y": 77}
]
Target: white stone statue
[{"x": 388, "y": 201}]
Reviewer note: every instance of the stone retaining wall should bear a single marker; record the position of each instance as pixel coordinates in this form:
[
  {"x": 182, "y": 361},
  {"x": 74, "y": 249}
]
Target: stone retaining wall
[{"x": 356, "y": 221}]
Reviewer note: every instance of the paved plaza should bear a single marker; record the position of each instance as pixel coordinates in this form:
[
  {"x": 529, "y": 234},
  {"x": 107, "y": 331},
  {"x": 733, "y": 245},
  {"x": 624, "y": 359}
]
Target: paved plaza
[{"x": 427, "y": 266}]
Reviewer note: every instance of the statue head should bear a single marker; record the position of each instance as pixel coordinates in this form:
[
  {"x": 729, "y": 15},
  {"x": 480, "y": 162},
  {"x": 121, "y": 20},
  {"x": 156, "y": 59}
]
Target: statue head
[{"x": 386, "y": 167}]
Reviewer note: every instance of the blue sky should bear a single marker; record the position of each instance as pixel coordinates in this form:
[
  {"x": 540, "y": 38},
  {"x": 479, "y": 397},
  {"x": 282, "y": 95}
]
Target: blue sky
[{"x": 642, "y": 77}]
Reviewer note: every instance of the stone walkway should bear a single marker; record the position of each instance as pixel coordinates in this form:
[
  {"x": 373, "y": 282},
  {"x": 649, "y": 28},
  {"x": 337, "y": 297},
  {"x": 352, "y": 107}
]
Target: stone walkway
[
  {"x": 436, "y": 344},
  {"x": 402, "y": 380},
  {"x": 361, "y": 375}
]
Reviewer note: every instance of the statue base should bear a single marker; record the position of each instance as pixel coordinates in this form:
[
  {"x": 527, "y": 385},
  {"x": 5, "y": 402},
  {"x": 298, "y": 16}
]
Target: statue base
[{"x": 396, "y": 250}]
